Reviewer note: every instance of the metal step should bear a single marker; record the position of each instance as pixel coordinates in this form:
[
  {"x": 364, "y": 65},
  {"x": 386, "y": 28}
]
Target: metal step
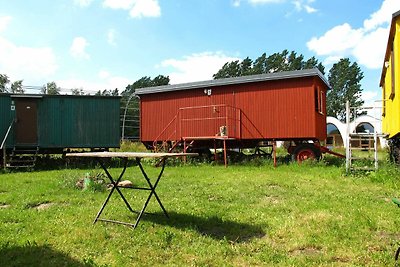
[
  {"x": 362, "y": 148},
  {"x": 365, "y": 168},
  {"x": 362, "y": 158},
  {"x": 22, "y": 157}
]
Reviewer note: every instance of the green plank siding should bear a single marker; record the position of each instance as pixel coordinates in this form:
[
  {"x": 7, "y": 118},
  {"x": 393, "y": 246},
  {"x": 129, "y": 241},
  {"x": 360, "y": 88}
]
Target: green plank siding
[
  {"x": 66, "y": 121},
  {"x": 79, "y": 122},
  {"x": 6, "y": 116}
]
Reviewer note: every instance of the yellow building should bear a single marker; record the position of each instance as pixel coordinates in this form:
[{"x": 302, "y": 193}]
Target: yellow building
[{"x": 390, "y": 83}]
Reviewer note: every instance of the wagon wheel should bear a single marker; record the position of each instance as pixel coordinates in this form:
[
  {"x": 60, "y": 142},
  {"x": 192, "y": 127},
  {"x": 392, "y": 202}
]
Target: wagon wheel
[
  {"x": 304, "y": 152},
  {"x": 396, "y": 257}
]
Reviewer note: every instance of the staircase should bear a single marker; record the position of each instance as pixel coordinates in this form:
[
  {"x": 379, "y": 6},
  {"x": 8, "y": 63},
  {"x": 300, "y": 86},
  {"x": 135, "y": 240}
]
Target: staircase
[
  {"x": 364, "y": 155},
  {"x": 361, "y": 148},
  {"x": 22, "y": 157}
]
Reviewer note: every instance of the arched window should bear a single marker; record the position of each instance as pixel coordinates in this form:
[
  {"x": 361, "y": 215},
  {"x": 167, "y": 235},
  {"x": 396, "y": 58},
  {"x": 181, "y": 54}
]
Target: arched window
[
  {"x": 365, "y": 127},
  {"x": 334, "y": 137},
  {"x": 364, "y": 141}
]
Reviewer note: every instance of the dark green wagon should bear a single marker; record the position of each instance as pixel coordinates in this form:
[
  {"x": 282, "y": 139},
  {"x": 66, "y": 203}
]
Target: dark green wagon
[{"x": 51, "y": 124}]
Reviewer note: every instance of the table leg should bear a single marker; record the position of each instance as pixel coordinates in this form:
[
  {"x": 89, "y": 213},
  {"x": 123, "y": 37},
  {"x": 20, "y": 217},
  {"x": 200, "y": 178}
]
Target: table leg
[
  {"x": 152, "y": 188},
  {"x": 115, "y": 187}
]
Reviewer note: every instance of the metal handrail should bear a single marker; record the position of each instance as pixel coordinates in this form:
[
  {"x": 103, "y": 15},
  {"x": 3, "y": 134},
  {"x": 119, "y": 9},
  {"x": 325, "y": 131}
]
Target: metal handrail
[
  {"x": 231, "y": 120},
  {"x": 6, "y": 136},
  {"x": 165, "y": 129},
  {"x": 234, "y": 120}
]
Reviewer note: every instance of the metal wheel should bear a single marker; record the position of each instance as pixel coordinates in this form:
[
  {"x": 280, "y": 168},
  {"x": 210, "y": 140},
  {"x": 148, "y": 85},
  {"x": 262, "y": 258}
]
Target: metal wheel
[
  {"x": 396, "y": 257},
  {"x": 305, "y": 152}
]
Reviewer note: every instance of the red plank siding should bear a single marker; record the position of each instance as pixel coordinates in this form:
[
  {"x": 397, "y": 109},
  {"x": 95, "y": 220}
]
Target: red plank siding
[{"x": 278, "y": 109}]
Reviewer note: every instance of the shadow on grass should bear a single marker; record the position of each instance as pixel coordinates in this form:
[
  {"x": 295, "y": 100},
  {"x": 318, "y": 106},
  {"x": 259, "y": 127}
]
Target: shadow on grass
[
  {"x": 213, "y": 227},
  {"x": 35, "y": 255}
]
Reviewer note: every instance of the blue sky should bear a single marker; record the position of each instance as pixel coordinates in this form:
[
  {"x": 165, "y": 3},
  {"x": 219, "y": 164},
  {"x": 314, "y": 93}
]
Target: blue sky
[{"x": 107, "y": 44}]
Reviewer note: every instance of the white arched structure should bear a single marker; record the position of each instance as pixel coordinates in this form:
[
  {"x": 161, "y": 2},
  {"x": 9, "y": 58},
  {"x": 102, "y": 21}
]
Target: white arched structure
[{"x": 353, "y": 125}]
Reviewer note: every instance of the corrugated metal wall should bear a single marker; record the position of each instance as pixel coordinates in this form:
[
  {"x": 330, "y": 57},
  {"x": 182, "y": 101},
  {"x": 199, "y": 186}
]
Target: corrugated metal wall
[
  {"x": 79, "y": 122},
  {"x": 6, "y": 116},
  {"x": 69, "y": 121},
  {"x": 281, "y": 109}
]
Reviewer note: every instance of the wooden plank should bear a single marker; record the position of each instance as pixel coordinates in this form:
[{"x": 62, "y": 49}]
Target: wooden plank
[{"x": 128, "y": 155}]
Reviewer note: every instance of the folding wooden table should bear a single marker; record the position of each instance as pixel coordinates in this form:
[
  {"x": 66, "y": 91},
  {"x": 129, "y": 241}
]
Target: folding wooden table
[{"x": 126, "y": 156}]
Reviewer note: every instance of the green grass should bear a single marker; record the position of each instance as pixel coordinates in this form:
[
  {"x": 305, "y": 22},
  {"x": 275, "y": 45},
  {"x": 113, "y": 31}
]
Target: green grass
[{"x": 255, "y": 215}]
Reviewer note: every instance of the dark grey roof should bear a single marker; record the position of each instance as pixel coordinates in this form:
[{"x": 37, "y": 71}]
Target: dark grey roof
[
  {"x": 236, "y": 80},
  {"x": 396, "y": 14}
]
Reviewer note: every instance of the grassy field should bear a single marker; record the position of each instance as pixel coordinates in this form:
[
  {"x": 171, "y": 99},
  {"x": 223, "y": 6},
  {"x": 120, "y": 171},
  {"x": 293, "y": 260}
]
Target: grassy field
[{"x": 254, "y": 215}]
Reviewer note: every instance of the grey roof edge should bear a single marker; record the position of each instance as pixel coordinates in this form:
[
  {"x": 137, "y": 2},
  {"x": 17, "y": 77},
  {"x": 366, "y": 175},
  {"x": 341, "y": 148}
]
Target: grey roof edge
[
  {"x": 396, "y": 14},
  {"x": 388, "y": 47},
  {"x": 235, "y": 80}
]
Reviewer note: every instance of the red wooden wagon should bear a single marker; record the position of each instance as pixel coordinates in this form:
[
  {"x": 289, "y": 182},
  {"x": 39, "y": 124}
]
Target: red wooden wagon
[{"x": 242, "y": 112}]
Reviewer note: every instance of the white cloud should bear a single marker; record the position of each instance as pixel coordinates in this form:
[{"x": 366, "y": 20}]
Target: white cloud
[
  {"x": 310, "y": 9},
  {"x": 105, "y": 81},
  {"x": 145, "y": 8},
  {"x": 4, "y": 21},
  {"x": 236, "y": 3},
  {"x": 137, "y": 8},
  {"x": 111, "y": 37},
  {"x": 196, "y": 67},
  {"x": 339, "y": 39},
  {"x": 331, "y": 60},
  {"x": 369, "y": 96},
  {"x": 103, "y": 74},
  {"x": 78, "y": 48},
  {"x": 119, "y": 4},
  {"x": 256, "y": 2},
  {"x": 27, "y": 63},
  {"x": 371, "y": 49},
  {"x": 301, "y": 5},
  {"x": 366, "y": 44},
  {"x": 83, "y": 3},
  {"x": 383, "y": 15}
]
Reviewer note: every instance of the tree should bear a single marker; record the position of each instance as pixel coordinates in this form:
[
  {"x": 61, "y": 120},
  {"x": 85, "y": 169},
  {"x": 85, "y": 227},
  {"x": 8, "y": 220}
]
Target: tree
[
  {"x": 283, "y": 61},
  {"x": 4, "y": 80},
  {"x": 106, "y": 92},
  {"x": 16, "y": 87},
  {"x": 130, "y": 104},
  {"x": 77, "y": 91},
  {"x": 145, "y": 82},
  {"x": 344, "y": 78},
  {"x": 50, "y": 88}
]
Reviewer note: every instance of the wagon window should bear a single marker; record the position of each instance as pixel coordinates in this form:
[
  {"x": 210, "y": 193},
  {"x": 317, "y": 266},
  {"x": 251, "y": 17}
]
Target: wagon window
[
  {"x": 392, "y": 67},
  {"x": 384, "y": 100},
  {"x": 321, "y": 102},
  {"x": 318, "y": 100}
]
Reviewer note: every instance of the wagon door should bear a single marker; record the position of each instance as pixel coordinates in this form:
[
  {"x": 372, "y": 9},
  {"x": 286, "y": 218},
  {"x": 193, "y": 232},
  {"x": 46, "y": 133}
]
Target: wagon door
[
  {"x": 225, "y": 113},
  {"x": 26, "y": 130}
]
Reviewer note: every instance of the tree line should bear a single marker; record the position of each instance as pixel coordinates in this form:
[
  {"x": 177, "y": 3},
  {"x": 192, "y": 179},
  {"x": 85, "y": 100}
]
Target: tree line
[{"x": 344, "y": 78}]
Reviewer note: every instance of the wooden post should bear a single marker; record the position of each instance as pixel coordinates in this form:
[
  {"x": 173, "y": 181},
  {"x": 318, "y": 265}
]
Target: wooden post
[
  {"x": 274, "y": 151},
  {"x": 225, "y": 159},
  {"x": 184, "y": 149},
  {"x": 4, "y": 157},
  {"x": 215, "y": 150}
]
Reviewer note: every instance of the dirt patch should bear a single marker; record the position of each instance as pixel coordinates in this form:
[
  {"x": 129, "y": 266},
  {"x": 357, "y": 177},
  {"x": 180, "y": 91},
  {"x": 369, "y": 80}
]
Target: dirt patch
[
  {"x": 43, "y": 206},
  {"x": 307, "y": 251},
  {"x": 341, "y": 259},
  {"x": 4, "y": 206},
  {"x": 387, "y": 236},
  {"x": 273, "y": 186},
  {"x": 271, "y": 199},
  {"x": 39, "y": 206}
]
